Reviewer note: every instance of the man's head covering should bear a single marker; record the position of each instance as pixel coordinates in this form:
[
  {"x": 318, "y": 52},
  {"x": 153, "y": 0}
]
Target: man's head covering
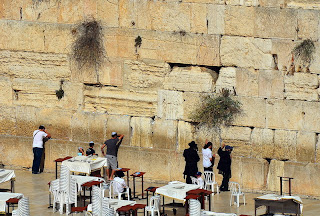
[
  {"x": 42, "y": 127},
  {"x": 192, "y": 144},
  {"x": 113, "y": 133},
  {"x": 91, "y": 143},
  {"x": 120, "y": 174},
  {"x": 228, "y": 147},
  {"x": 199, "y": 174}
]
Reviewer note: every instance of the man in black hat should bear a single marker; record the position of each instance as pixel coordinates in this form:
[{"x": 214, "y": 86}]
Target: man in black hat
[
  {"x": 224, "y": 166},
  {"x": 191, "y": 157}
]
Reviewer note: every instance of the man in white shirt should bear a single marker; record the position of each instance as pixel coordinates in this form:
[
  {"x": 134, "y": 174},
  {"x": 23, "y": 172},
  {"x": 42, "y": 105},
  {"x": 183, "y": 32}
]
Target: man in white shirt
[
  {"x": 38, "y": 136},
  {"x": 121, "y": 185}
]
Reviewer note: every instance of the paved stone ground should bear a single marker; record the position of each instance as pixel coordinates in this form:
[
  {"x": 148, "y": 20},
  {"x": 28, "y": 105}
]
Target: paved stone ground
[{"x": 36, "y": 188}]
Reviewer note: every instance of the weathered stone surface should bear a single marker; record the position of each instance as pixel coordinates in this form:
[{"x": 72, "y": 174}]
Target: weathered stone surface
[
  {"x": 246, "y": 52},
  {"x": 272, "y": 3},
  {"x": 285, "y": 145},
  {"x": 119, "y": 124},
  {"x": 239, "y": 21},
  {"x": 302, "y": 86},
  {"x": 147, "y": 74},
  {"x": 170, "y": 47},
  {"x": 32, "y": 65},
  {"x": 276, "y": 168},
  {"x": 247, "y": 82},
  {"x": 282, "y": 48},
  {"x": 271, "y": 84},
  {"x": 258, "y": 173},
  {"x": 194, "y": 79},
  {"x": 185, "y": 134},
  {"x": 216, "y": 19},
  {"x": 26, "y": 120},
  {"x": 308, "y": 24},
  {"x": 317, "y": 149},
  {"x": 262, "y": 143},
  {"x": 198, "y": 18},
  {"x": 57, "y": 38},
  {"x": 115, "y": 101},
  {"x": 311, "y": 116},
  {"x": 165, "y": 134},
  {"x": 306, "y": 145},
  {"x": 170, "y": 104},
  {"x": 7, "y": 93},
  {"x": 284, "y": 114},
  {"x": 191, "y": 101},
  {"x": 108, "y": 12},
  {"x": 141, "y": 132},
  {"x": 226, "y": 79},
  {"x": 7, "y": 120},
  {"x": 253, "y": 112},
  {"x": 271, "y": 22},
  {"x": 315, "y": 64}
]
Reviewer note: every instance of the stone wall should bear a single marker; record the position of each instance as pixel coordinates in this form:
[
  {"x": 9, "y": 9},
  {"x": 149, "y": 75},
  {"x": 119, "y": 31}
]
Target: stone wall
[{"x": 189, "y": 48}]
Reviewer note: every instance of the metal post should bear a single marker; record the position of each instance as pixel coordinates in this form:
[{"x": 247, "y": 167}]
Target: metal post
[{"x": 281, "y": 186}]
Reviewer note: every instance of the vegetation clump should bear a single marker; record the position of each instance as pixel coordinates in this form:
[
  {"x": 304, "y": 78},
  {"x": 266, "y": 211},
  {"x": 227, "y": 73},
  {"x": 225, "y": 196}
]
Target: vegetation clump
[
  {"x": 60, "y": 92},
  {"x": 88, "y": 47},
  {"x": 217, "y": 111},
  {"x": 304, "y": 51}
]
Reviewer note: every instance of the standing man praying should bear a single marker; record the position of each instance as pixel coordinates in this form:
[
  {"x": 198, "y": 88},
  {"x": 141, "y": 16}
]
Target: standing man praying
[
  {"x": 38, "y": 136},
  {"x": 113, "y": 145}
]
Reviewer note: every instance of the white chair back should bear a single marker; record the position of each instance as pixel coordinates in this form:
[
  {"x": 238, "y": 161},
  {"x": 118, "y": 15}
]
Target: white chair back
[
  {"x": 234, "y": 187},
  {"x": 194, "y": 207},
  {"x": 236, "y": 192},
  {"x": 209, "y": 176}
]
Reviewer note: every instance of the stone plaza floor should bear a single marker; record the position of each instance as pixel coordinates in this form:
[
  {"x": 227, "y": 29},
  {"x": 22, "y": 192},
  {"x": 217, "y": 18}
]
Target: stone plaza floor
[{"x": 36, "y": 188}]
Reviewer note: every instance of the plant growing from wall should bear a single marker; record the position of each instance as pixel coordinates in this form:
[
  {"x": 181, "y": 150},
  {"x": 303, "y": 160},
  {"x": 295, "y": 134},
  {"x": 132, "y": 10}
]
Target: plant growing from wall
[
  {"x": 60, "y": 92},
  {"x": 88, "y": 49},
  {"x": 217, "y": 111},
  {"x": 303, "y": 53},
  {"x": 137, "y": 43}
]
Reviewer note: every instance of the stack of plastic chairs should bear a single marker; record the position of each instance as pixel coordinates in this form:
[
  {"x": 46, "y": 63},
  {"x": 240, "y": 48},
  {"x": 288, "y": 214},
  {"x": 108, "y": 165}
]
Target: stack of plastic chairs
[
  {"x": 54, "y": 189},
  {"x": 23, "y": 208},
  {"x": 96, "y": 201},
  {"x": 154, "y": 206},
  {"x": 194, "y": 207},
  {"x": 106, "y": 210}
]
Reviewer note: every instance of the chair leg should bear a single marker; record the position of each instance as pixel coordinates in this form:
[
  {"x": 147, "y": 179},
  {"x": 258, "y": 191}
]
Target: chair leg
[
  {"x": 238, "y": 200},
  {"x": 231, "y": 200},
  {"x": 244, "y": 200}
]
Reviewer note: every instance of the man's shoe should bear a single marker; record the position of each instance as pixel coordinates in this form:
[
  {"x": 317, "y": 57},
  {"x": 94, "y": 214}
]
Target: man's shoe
[{"x": 35, "y": 172}]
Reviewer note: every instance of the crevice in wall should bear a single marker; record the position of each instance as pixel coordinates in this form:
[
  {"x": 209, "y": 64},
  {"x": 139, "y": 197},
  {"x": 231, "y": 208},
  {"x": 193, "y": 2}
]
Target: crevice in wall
[
  {"x": 16, "y": 94},
  {"x": 98, "y": 85},
  {"x": 316, "y": 147},
  {"x": 20, "y": 13},
  {"x": 275, "y": 61},
  {"x": 214, "y": 68}
]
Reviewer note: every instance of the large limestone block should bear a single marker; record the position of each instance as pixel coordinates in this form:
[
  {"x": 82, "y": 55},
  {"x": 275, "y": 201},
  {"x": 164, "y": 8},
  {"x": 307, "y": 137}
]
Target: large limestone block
[
  {"x": 119, "y": 124},
  {"x": 285, "y": 143},
  {"x": 276, "y": 168},
  {"x": 308, "y": 24},
  {"x": 57, "y": 38},
  {"x": 216, "y": 19},
  {"x": 305, "y": 176},
  {"x": 194, "y": 79},
  {"x": 41, "y": 11},
  {"x": 253, "y": 112},
  {"x": 317, "y": 149},
  {"x": 315, "y": 63},
  {"x": 16, "y": 151},
  {"x": 112, "y": 100},
  {"x": 42, "y": 93},
  {"x": 165, "y": 134},
  {"x": 177, "y": 165},
  {"x": 226, "y": 79},
  {"x": 141, "y": 132},
  {"x": 56, "y": 121},
  {"x": 185, "y": 134},
  {"x": 146, "y": 74},
  {"x": 73, "y": 11},
  {"x": 173, "y": 16},
  {"x": 254, "y": 173},
  {"x": 197, "y": 49},
  {"x": 108, "y": 12},
  {"x": 31, "y": 65},
  {"x": 247, "y": 82},
  {"x": 198, "y": 18},
  {"x": 7, "y": 120},
  {"x": 303, "y": 4},
  {"x": 282, "y": 49},
  {"x": 271, "y": 84},
  {"x": 240, "y": 21},
  {"x": 246, "y": 52},
  {"x": 306, "y": 146},
  {"x": 302, "y": 86},
  {"x": 284, "y": 114},
  {"x": 26, "y": 120},
  {"x": 271, "y": 22},
  {"x": 20, "y": 35},
  {"x": 170, "y": 104},
  {"x": 262, "y": 143},
  {"x": 311, "y": 116},
  {"x": 272, "y": 3},
  {"x": 191, "y": 101},
  {"x": 7, "y": 93},
  {"x": 130, "y": 157}
]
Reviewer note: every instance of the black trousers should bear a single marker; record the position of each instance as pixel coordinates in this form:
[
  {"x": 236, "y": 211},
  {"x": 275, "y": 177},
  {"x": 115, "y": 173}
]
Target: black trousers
[
  {"x": 37, "y": 154},
  {"x": 188, "y": 179},
  {"x": 225, "y": 181}
]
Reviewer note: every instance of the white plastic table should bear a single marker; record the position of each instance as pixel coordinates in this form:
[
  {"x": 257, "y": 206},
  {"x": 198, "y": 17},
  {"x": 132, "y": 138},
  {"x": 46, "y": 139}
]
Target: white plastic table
[
  {"x": 4, "y": 196},
  {"x": 85, "y": 164},
  {"x": 7, "y": 175}
]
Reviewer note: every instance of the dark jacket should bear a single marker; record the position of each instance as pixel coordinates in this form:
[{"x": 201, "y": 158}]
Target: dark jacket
[
  {"x": 225, "y": 161},
  {"x": 191, "y": 157}
]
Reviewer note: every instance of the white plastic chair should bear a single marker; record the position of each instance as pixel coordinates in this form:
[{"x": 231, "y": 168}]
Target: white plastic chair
[
  {"x": 23, "y": 208},
  {"x": 113, "y": 190},
  {"x": 210, "y": 181},
  {"x": 194, "y": 207},
  {"x": 236, "y": 193},
  {"x": 154, "y": 206}
]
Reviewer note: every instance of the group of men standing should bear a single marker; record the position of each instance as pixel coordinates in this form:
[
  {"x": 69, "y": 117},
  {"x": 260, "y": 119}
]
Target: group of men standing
[{"x": 40, "y": 136}]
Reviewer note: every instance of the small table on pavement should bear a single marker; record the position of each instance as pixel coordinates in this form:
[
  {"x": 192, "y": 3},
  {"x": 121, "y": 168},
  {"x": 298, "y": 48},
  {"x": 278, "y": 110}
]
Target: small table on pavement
[
  {"x": 151, "y": 189},
  {"x": 8, "y": 175},
  {"x": 135, "y": 175},
  {"x": 202, "y": 193}
]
